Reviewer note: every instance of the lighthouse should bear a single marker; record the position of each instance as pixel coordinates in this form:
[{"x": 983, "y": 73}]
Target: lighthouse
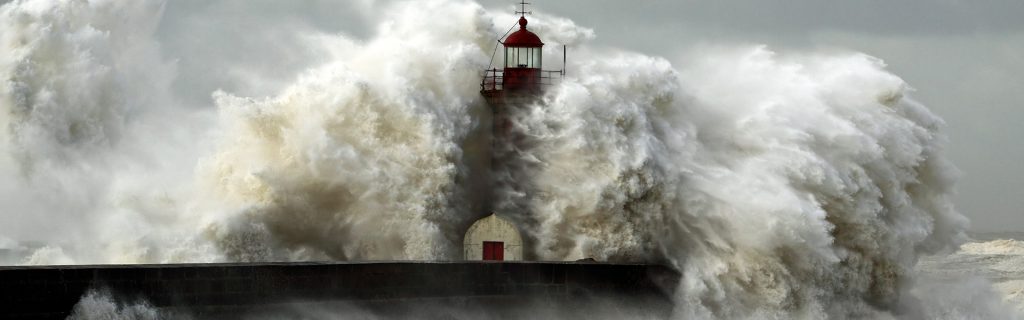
[
  {"x": 520, "y": 80},
  {"x": 510, "y": 90}
]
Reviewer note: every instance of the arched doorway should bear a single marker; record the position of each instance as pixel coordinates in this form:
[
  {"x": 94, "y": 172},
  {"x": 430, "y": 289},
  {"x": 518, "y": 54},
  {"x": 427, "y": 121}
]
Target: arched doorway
[{"x": 493, "y": 238}]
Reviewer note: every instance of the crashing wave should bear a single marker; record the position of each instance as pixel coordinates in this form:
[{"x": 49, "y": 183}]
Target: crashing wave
[{"x": 780, "y": 185}]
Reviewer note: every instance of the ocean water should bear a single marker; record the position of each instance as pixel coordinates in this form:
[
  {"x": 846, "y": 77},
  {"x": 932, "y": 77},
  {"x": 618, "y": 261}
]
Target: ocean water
[
  {"x": 995, "y": 258},
  {"x": 782, "y": 185}
]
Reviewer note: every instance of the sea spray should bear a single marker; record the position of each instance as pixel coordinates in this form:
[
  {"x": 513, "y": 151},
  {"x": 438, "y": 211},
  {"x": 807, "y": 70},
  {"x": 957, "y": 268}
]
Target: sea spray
[
  {"x": 361, "y": 159},
  {"x": 102, "y": 305},
  {"x": 781, "y": 185},
  {"x": 95, "y": 153}
]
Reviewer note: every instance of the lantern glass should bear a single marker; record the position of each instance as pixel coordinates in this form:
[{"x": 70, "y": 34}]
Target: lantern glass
[{"x": 520, "y": 57}]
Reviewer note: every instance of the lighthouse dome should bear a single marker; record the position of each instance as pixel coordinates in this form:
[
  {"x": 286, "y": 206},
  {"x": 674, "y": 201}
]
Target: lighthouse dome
[{"x": 523, "y": 38}]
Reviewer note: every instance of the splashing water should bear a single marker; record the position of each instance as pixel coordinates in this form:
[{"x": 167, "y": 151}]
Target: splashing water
[
  {"x": 96, "y": 305},
  {"x": 780, "y": 185}
]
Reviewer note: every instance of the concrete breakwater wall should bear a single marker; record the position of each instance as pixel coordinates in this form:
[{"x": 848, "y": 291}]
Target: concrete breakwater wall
[{"x": 215, "y": 290}]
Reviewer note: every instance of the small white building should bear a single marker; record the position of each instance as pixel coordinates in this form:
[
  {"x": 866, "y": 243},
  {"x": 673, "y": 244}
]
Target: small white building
[{"x": 493, "y": 238}]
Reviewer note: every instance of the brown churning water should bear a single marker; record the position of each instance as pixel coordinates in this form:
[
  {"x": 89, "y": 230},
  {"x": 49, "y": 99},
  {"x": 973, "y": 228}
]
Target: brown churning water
[{"x": 780, "y": 185}]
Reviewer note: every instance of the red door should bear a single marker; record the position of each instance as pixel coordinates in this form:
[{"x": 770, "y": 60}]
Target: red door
[{"x": 494, "y": 250}]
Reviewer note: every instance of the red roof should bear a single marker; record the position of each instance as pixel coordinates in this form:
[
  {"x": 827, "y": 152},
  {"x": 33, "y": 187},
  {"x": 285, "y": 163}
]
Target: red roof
[{"x": 523, "y": 37}]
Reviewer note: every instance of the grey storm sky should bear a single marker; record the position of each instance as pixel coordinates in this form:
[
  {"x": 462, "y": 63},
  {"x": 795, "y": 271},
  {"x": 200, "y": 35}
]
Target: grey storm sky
[{"x": 965, "y": 59}]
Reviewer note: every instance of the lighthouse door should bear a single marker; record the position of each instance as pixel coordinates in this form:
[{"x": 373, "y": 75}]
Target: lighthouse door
[{"x": 494, "y": 250}]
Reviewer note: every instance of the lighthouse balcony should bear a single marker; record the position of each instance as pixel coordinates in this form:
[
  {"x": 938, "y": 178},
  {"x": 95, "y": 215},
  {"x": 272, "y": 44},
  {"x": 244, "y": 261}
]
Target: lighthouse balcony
[{"x": 496, "y": 81}]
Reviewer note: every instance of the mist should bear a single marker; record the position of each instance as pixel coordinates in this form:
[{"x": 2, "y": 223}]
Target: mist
[{"x": 780, "y": 184}]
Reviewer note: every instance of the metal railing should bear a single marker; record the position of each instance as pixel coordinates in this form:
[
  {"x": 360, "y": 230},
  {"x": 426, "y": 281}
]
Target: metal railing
[{"x": 493, "y": 79}]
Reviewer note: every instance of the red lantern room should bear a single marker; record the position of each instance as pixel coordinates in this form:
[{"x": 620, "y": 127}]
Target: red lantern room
[
  {"x": 522, "y": 59},
  {"x": 521, "y": 75}
]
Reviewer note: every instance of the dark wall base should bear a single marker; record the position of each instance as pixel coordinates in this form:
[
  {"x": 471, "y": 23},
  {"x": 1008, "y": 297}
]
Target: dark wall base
[{"x": 398, "y": 289}]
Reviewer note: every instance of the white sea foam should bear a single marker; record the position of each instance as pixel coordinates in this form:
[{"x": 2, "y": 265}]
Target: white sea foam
[
  {"x": 782, "y": 185},
  {"x": 997, "y": 262},
  {"x": 101, "y": 305},
  {"x": 1014, "y": 293},
  {"x": 1005, "y": 246},
  {"x": 95, "y": 154}
]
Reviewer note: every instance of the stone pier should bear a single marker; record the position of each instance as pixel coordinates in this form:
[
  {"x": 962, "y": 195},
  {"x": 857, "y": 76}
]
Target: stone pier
[{"x": 231, "y": 290}]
